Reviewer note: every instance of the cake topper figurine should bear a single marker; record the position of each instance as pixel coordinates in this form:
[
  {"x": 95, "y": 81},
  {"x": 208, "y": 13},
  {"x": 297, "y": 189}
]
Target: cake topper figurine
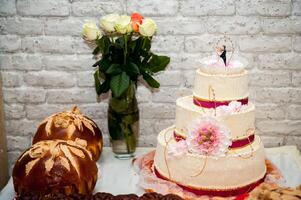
[{"x": 221, "y": 49}]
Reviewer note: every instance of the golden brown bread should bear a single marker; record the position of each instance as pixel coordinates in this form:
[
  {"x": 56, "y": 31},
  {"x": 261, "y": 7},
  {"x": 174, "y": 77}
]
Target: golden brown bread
[
  {"x": 69, "y": 125},
  {"x": 273, "y": 192},
  {"x": 55, "y": 166},
  {"x": 97, "y": 196}
]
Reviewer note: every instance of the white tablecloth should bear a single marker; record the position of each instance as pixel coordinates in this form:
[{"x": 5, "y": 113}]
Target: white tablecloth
[{"x": 119, "y": 177}]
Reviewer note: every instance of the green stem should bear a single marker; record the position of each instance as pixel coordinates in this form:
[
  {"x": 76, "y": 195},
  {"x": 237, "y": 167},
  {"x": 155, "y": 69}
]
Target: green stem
[
  {"x": 143, "y": 44},
  {"x": 123, "y": 119},
  {"x": 125, "y": 49},
  {"x": 128, "y": 135}
]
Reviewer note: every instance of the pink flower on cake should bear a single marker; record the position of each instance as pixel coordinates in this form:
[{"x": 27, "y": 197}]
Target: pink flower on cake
[
  {"x": 233, "y": 107},
  {"x": 208, "y": 137},
  {"x": 178, "y": 149}
]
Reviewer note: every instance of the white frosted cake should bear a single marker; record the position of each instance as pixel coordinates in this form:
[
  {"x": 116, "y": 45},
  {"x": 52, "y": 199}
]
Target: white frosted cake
[{"x": 212, "y": 149}]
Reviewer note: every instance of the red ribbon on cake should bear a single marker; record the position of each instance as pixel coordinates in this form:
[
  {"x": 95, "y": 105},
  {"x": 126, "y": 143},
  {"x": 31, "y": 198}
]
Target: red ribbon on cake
[
  {"x": 221, "y": 193},
  {"x": 178, "y": 137},
  {"x": 214, "y": 104},
  {"x": 242, "y": 142},
  {"x": 235, "y": 143}
]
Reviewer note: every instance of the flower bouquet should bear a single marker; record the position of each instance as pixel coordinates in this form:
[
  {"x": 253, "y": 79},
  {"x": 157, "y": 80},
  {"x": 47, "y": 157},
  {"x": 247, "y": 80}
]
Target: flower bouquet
[{"x": 124, "y": 43}]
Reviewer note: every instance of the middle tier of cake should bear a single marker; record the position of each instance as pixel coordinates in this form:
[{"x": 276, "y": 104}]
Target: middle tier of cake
[{"x": 241, "y": 124}]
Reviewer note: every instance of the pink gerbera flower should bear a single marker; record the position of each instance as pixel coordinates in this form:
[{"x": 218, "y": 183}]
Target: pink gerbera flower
[{"x": 208, "y": 137}]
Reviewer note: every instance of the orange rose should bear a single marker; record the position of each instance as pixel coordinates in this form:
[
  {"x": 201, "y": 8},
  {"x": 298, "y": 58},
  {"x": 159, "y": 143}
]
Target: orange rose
[{"x": 136, "y": 21}]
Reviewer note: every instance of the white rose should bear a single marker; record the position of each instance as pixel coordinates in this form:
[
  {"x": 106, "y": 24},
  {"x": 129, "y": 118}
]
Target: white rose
[
  {"x": 108, "y": 22},
  {"x": 148, "y": 27},
  {"x": 123, "y": 24},
  {"x": 91, "y": 31}
]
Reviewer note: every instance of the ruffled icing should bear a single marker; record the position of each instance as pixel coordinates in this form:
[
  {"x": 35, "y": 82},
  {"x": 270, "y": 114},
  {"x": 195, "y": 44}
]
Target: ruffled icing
[
  {"x": 232, "y": 108},
  {"x": 215, "y": 65}
]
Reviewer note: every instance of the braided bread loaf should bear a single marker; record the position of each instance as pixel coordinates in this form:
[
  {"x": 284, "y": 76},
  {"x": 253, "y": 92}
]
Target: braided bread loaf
[
  {"x": 55, "y": 166},
  {"x": 69, "y": 125}
]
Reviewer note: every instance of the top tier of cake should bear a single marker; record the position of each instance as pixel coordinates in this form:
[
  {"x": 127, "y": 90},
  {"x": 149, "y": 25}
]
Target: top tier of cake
[{"x": 216, "y": 82}]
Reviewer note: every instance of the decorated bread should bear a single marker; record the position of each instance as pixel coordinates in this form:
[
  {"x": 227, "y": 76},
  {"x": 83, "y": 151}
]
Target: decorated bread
[
  {"x": 69, "y": 125},
  {"x": 52, "y": 166},
  {"x": 98, "y": 196},
  {"x": 273, "y": 192}
]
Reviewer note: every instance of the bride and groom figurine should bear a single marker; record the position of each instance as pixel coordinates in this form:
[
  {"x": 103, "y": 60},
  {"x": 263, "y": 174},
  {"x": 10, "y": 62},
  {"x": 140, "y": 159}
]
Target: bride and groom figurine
[{"x": 221, "y": 51}]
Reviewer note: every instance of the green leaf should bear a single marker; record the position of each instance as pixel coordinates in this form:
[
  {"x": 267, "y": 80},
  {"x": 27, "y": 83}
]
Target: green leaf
[
  {"x": 116, "y": 55},
  {"x": 119, "y": 83},
  {"x": 145, "y": 59},
  {"x": 97, "y": 82},
  {"x": 114, "y": 69},
  {"x": 104, "y": 44},
  {"x": 132, "y": 69},
  {"x": 96, "y": 64},
  {"x": 132, "y": 45},
  {"x": 96, "y": 50},
  {"x": 151, "y": 81},
  {"x": 100, "y": 88},
  {"x": 104, "y": 64},
  {"x": 142, "y": 46},
  {"x": 158, "y": 63},
  {"x": 105, "y": 86},
  {"x": 138, "y": 45},
  {"x": 146, "y": 44},
  {"x": 119, "y": 42},
  {"x": 114, "y": 126}
]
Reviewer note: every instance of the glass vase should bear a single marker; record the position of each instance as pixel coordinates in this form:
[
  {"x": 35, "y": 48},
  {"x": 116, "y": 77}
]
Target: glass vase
[{"x": 123, "y": 123}]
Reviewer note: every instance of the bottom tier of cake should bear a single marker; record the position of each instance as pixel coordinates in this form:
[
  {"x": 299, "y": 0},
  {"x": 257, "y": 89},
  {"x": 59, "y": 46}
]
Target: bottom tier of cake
[{"x": 240, "y": 170}]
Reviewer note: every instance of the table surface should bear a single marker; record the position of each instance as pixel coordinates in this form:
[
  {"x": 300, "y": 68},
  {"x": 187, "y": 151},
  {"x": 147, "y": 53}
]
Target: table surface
[{"x": 119, "y": 176}]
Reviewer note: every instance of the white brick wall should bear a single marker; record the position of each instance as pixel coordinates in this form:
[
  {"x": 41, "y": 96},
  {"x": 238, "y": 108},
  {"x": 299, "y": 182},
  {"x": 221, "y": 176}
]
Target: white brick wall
[{"x": 46, "y": 67}]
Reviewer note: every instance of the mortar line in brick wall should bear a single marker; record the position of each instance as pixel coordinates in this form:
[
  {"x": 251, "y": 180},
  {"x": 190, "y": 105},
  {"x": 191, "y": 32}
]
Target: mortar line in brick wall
[
  {"x": 126, "y": 6},
  {"x": 274, "y": 134},
  {"x": 291, "y": 78},
  {"x": 271, "y": 87},
  {"x": 256, "y": 70},
  {"x": 277, "y": 34},
  {"x": 44, "y": 54}
]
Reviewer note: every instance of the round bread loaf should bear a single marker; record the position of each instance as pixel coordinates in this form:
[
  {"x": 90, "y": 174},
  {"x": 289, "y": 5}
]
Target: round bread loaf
[
  {"x": 69, "y": 125},
  {"x": 55, "y": 166}
]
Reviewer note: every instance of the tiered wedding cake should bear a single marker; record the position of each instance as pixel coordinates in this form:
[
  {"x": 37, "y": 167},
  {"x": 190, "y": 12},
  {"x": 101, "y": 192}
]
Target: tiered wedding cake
[{"x": 212, "y": 148}]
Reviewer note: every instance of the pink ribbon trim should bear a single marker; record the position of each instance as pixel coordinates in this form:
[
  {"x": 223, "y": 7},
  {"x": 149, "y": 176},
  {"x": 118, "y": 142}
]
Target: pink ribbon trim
[
  {"x": 242, "y": 142},
  {"x": 223, "y": 193},
  {"x": 214, "y": 104}
]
